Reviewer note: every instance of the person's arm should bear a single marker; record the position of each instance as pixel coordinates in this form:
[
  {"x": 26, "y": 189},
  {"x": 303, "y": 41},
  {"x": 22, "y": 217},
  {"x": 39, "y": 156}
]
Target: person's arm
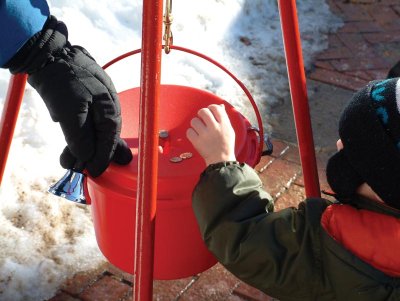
[
  {"x": 77, "y": 92},
  {"x": 19, "y": 21},
  {"x": 273, "y": 252}
]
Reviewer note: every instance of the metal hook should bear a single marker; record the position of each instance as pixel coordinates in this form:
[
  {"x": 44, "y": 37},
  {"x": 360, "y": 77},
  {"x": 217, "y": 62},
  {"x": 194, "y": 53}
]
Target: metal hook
[{"x": 168, "y": 18}]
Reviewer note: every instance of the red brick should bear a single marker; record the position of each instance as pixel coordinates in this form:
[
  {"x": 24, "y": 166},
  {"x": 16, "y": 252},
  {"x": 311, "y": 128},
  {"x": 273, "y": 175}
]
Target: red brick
[
  {"x": 387, "y": 37},
  {"x": 214, "y": 284},
  {"x": 278, "y": 175},
  {"x": 367, "y": 53},
  {"x": 364, "y": 26},
  {"x": 360, "y": 74},
  {"x": 382, "y": 14},
  {"x": 290, "y": 197},
  {"x": 166, "y": 290},
  {"x": 378, "y": 74},
  {"x": 280, "y": 147},
  {"x": 106, "y": 289},
  {"x": 333, "y": 7},
  {"x": 389, "y": 2},
  {"x": 385, "y": 16},
  {"x": 235, "y": 298},
  {"x": 348, "y": 27},
  {"x": 392, "y": 56},
  {"x": 251, "y": 293},
  {"x": 334, "y": 53},
  {"x": 117, "y": 273},
  {"x": 328, "y": 195},
  {"x": 265, "y": 161},
  {"x": 392, "y": 26},
  {"x": 291, "y": 154},
  {"x": 397, "y": 8},
  {"x": 355, "y": 42},
  {"x": 360, "y": 64},
  {"x": 323, "y": 65},
  {"x": 334, "y": 41},
  {"x": 324, "y": 186},
  {"x": 361, "y": 27},
  {"x": 337, "y": 79},
  {"x": 323, "y": 154},
  {"x": 80, "y": 282},
  {"x": 63, "y": 297},
  {"x": 353, "y": 12},
  {"x": 362, "y": 1}
]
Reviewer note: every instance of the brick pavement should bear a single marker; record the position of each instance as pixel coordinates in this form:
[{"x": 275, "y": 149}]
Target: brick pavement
[{"x": 363, "y": 49}]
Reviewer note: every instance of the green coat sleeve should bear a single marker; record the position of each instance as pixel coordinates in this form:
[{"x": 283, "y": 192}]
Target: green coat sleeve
[{"x": 274, "y": 252}]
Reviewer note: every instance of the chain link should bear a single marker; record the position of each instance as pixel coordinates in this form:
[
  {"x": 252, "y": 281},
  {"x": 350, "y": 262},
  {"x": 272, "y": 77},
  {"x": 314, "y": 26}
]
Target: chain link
[{"x": 168, "y": 18}]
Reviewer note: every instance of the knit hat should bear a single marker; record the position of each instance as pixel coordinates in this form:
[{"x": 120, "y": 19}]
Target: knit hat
[{"x": 369, "y": 128}]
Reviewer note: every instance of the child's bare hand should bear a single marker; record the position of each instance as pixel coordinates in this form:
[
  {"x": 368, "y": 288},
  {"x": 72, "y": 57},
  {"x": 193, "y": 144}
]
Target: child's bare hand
[{"x": 212, "y": 135}]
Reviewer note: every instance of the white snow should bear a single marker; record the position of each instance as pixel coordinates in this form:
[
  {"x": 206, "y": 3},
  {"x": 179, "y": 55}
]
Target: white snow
[{"x": 45, "y": 239}]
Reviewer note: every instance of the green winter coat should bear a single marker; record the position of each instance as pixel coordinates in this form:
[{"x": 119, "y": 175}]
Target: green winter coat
[{"x": 286, "y": 254}]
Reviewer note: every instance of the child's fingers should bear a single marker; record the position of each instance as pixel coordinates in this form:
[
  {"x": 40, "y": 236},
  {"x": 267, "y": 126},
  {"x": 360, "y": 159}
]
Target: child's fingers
[
  {"x": 198, "y": 125},
  {"x": 207, "y": 117},
  {"x": 191, "y": 134},
  {"x": 218, "y": 112}
]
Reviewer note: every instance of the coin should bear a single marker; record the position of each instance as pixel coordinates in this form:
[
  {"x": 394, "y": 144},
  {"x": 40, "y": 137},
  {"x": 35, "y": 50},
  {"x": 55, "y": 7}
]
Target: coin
[
  {"x": 175, "y": 159},
  {"x": 186, "y": 155},
  {"x": 163, "y": 134}
]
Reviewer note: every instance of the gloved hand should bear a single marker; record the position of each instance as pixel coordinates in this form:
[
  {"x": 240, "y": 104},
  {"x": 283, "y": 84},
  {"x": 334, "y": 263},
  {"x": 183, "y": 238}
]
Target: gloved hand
[{"x": 78, "y": 94}]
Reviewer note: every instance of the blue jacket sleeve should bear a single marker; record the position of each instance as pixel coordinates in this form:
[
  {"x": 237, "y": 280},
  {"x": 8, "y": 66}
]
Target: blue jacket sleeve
[{"x": 19, "y": 21}]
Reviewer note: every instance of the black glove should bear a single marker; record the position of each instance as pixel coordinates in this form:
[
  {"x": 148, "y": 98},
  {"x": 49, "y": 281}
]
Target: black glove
[
  {"x": 78, "y": 94},
  {"x": 394, "y": 71}
]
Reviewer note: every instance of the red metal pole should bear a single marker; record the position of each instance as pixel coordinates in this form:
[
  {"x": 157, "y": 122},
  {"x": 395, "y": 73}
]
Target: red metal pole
[
  {"x": 9, "y": 117},
  {"x": 148, "y": 149},
  {"x": 298, "y": 90}
]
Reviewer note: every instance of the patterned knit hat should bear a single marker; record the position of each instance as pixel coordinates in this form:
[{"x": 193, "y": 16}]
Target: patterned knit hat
[{"x": 370, "y": 131}]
